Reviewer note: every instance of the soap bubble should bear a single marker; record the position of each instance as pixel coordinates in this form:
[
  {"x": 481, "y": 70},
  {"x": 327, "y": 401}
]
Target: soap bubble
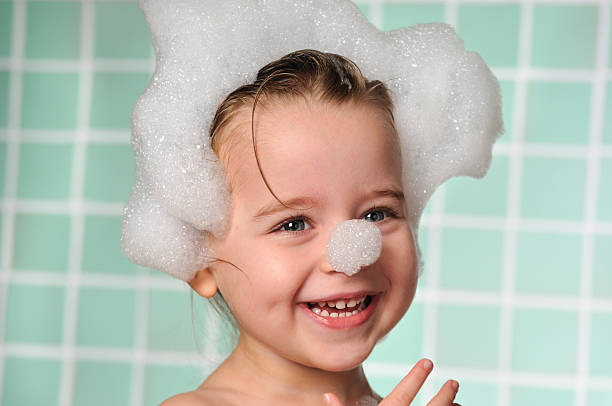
[
  {"x": 353, "y": 244},
  {"x": 447, "y": 109}
]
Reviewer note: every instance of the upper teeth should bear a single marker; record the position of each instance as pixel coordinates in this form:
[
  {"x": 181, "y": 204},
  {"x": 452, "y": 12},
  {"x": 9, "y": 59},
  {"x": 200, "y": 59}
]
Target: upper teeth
[{"x": 343, "y": 304}]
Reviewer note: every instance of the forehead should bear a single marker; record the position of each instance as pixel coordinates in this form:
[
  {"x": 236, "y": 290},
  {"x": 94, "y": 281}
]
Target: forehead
[{"x": 311, "y": 141}]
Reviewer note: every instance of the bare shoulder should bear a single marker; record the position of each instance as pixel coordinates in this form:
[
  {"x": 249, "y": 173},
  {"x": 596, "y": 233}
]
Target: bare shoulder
[
  {"x": 198, "y": 397},
  {"x": 187, "y": 398}
]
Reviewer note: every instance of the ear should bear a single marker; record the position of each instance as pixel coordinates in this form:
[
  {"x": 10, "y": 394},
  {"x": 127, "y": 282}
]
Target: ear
[{"x": 204, "y": 283}]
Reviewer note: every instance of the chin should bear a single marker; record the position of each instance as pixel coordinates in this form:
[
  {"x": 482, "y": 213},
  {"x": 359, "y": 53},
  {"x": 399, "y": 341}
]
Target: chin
[{"x": 342, "y": 361}]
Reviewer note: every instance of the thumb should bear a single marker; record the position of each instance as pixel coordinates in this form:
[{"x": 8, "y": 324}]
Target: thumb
[{"x": 331, "y": 399}]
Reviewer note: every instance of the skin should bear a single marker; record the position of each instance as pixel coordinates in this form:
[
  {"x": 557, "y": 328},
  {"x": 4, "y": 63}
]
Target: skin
[{"x": 329, "y": 164}]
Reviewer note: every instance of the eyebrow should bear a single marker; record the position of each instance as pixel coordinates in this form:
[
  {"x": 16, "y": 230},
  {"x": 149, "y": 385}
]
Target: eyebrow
[
  {"x": 305, "y": 203},
  {"x": 390, "y": 192},
  {"x": 298, "y": 203}
]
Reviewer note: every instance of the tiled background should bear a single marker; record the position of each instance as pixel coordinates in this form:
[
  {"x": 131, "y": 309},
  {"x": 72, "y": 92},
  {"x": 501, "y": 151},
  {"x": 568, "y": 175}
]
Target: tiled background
[{"x": 516, "y": 299}]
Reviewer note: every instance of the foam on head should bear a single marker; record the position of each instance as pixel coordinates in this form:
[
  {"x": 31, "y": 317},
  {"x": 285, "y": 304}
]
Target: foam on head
[
  {"x": 447, "y": 109},
  {"x": 353, "y": 244}
]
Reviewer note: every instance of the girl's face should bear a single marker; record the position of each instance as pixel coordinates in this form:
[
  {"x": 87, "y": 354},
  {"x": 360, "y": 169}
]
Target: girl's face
[{"x": 328, "y": 164}]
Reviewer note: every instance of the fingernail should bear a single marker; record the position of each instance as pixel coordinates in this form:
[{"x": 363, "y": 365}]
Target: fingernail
[
  {"x": 427, "y": 365},
  {"x": 455, "y": 385},
  {"x": 327, "y": 398}
]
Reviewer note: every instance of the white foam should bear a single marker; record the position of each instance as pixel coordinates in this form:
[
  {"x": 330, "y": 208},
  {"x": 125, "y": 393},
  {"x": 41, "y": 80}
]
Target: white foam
[
  {"x": 353, "y": 244},
  {"x": 447, "y": 108}
]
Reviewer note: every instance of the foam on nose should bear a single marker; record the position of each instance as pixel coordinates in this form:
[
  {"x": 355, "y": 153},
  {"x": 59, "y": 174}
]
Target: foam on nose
[{"x": 352, "y": 245}]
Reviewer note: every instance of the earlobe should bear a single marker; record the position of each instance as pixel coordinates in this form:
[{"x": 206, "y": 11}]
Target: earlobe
[{"x": 204, "y": 283}]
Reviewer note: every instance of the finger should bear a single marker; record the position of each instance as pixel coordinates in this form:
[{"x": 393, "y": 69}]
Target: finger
[
  {"x": 331, "y": 399},
  {"x": 405, "y": 391},
  {"x": 446, "y": 395}
]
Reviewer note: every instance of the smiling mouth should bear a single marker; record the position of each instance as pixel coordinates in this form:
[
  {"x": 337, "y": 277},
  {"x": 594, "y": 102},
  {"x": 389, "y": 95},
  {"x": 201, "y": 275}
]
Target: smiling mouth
[{"x": 340, "y": 308}]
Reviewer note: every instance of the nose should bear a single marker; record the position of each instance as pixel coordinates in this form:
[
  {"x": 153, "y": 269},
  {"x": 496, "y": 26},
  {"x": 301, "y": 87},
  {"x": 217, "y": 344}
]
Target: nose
[{"x": 352, "y": 245}]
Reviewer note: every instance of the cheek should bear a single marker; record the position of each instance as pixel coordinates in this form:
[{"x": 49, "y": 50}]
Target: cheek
[
  {"x": 400, "y": 261},
  {"x": 261, "y": 280}
]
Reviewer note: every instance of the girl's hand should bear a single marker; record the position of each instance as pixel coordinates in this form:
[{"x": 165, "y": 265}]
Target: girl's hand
[{"x": 405, "y": 391}]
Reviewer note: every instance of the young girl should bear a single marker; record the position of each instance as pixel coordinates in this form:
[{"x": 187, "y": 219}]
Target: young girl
[{"x": 307, "y": 146}]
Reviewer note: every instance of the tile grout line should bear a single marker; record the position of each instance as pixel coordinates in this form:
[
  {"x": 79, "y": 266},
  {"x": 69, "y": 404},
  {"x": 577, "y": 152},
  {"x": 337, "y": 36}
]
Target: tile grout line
[
  {"x": 434, "y": 250},
  {"x": 513, "y": 214},
  {"x": 12, "y": 169},
  {"x": 71, "y": 303},
  {"x": 590, "y": 203},
  {"x": 139, "y": 353}
]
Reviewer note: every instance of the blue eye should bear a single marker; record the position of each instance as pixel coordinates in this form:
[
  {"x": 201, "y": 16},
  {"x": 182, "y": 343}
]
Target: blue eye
[
  {"x": 375, "y": 215},
  {"x": 294, "y": 225}
]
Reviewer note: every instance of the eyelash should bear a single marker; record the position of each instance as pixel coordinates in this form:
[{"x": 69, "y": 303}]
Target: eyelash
[{"x": 386, "y": 210}]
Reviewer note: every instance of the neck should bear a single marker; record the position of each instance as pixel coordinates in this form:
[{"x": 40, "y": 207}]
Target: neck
[{"x": 261, "y": 373}]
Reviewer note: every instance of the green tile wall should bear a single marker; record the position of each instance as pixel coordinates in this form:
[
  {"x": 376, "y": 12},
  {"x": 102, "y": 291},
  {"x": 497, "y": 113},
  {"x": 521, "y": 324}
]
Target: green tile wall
[
  {"x": 525, "y": 395},
  {"x": 4, "y": 98},
  {"x": 53, "y": 30},
  {"x": 116, "y": 21},
  {"x": 456, "y": 328},
  {"x": 114, "y": 94},
  {"x": 471, "y": 259},
  {"x": 109, "y": 172},
  {"x": 560, "y": 33},
  {"x": 549, "y": 347},
  {"x": 604, "y": 206},
  {"x": 501, "y": 23},
  {"x": 558, "y": 112},
  {"x": 176, "y": 332},
  {"x": 601, "y": 335},
  {"x": 487, "y": 197},
  {"x": 101, "y": 251},
  {"x": 602, "y": 267},
  {"x": 35, "y": 314},
  {"x": 2, "y": 165},
  {"x": 607, "y": 133},
  {"x": 93, "y": 380},
  {"x": 163, "y": 381},
  {"x": 406, "y": 333},
  {"x": 502, "y": 294},
  {"x": 599, "y": 397},
  {"x": 473, "y": 393},
  {"x": 398, "y": 15},
  {"x": 106, "y": 317},
  {"x": 49, "y": 100},
  {"x": 45, "y": 171},
  {"x": 548, "y": 263},
  {"x": 43, "y": 377},
  {"x": 553, "y": 188},
  {"x": 6, "y": 27},
  {"x": 41, "y": 242}
]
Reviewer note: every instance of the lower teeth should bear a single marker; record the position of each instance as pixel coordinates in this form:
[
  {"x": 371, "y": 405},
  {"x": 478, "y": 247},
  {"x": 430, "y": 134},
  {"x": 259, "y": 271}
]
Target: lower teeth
[{"x": 325, "y": 313}]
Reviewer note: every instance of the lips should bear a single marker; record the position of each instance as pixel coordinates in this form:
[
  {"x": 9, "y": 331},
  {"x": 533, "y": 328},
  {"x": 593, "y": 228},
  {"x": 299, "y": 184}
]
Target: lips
[
  {"x": 341, "y": 313},
  {"x": 340, "y": 308}
]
